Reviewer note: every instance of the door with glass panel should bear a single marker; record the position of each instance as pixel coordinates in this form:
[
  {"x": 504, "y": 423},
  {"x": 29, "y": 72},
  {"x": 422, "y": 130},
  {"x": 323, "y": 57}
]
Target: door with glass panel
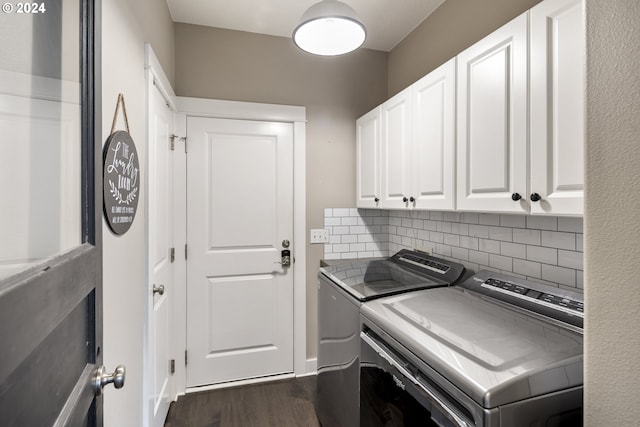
[{"x": 50, "y": 216}]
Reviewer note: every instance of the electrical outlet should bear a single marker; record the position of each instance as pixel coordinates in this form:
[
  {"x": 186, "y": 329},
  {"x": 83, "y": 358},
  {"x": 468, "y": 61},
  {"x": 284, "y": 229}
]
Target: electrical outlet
[{"x": 319, "y": 235}]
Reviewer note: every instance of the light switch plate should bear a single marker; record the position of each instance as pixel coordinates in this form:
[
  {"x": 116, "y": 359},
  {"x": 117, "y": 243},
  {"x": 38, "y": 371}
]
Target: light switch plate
[{"x": 319, "y": 235}]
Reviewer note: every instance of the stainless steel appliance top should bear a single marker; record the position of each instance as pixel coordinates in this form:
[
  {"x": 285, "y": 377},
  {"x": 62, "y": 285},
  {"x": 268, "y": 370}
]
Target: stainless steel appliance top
[
  {"x": 404, "y": 271},
  {"x": 495, "y": 351}
]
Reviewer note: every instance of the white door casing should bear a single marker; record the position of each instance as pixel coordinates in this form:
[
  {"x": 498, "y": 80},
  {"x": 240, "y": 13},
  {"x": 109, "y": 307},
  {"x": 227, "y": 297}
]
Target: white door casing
[
  {"x": 160, "y": 262},
  {"x": 557, "y": 106},
  {"x": 492, "y": 121},
  {"x": 239, "y": 211}
]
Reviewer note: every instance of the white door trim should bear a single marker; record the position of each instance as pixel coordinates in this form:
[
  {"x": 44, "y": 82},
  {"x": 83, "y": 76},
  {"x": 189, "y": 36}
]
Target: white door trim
[
  {"x": 155, "y": 76},
  {"x": 267, "y": 112}
]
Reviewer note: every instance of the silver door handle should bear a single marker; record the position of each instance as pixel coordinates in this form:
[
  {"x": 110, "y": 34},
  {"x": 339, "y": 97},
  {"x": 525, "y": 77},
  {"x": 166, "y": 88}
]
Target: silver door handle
[
  {"x": 158, "y": 289},
  {"x": 102, "y": 378}
]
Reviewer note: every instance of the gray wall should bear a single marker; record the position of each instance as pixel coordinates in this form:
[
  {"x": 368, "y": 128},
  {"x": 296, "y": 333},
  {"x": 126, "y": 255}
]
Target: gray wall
[
  {"x": 224, "y": 64},
  {"x": 612, "y": 230},
  {"x": 454, "y": 26},
  {"x": 126, "y": 26}
]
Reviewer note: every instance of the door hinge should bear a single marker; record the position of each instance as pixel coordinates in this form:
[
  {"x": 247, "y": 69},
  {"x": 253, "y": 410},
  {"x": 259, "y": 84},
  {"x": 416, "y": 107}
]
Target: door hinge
[
  {"x": 172, "y": 254},
  {"x": 172, "y": 366},
  {"x": 185, "y": 251},
  {"x": 185, "y": 358}
]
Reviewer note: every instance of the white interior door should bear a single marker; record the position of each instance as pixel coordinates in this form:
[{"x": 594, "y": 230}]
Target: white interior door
[
  {"x": 160, "y": 287},
  {"x": 239, "y": 213}
]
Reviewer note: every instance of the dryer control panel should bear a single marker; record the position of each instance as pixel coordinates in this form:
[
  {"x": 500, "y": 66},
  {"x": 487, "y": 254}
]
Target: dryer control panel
[{"x": 559, "y": 304}]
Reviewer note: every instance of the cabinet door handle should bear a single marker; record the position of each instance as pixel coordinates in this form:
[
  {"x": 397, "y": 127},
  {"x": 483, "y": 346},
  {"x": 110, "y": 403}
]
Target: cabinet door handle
[
  {"x": 412, "y": 199},
  {"x": 516, "y": 196},
  {"x": 376, "y": 199},
  {"x": 535, "y": 197},
  {"x": 404, "y": 199}
]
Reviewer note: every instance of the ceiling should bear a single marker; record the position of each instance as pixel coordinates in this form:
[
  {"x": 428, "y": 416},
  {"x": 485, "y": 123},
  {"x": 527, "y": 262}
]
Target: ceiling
[{"x": 387, "y": 21}]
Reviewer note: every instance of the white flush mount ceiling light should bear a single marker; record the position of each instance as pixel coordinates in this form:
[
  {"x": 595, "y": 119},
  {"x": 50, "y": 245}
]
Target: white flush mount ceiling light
[{"x": 329, "y": 28}]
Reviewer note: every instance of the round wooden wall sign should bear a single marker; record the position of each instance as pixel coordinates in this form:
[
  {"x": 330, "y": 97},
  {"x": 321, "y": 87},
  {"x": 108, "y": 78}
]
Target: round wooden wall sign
[{"x": 121, "y": 181}]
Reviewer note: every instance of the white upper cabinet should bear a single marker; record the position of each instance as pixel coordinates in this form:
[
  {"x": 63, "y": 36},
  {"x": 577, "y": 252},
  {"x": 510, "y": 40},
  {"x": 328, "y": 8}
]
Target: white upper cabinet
[
  {"x": 433, "y": 140},
  {"x": 557, "y": 107},
  {"x": 396, "y": 146},
  {"x": 368, "y": 131},
  {"x": 492, "y": 121}
]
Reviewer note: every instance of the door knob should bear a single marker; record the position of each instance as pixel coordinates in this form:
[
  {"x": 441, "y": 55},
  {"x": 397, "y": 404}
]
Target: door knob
[
  {"x": 158, "y": 289},
  {"x": 102, "y": 378}
]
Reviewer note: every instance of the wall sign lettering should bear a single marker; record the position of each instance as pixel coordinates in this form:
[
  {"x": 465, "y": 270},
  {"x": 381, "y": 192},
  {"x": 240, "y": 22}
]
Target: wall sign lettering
[{"x": 121, "y": 179}]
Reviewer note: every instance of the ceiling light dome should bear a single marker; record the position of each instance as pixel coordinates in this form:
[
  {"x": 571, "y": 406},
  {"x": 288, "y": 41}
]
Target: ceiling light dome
[{"x": 329, "y": 28}]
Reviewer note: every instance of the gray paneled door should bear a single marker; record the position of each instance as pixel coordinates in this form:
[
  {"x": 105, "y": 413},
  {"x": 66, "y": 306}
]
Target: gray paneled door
[{"x": 50, "y": 216}]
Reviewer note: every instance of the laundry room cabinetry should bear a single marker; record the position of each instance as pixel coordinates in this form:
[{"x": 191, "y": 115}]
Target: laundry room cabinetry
[
  {"x": 517, "y": 152},
  {"x": 557, "y": 78},
  {"x": 396, "y": 147},
  {"x": 368, "y": 133},
  {"x": 492, "y": 121},
  {"x": 416, "y": 146}
]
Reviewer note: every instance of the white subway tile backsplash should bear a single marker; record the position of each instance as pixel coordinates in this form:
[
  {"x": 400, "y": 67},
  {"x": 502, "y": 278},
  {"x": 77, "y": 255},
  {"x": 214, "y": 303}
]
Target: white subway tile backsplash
[
  {"x": 560, "y": 240},
  {"x": 469, "y": 242},
  {"x": 489, "y": 219},
  {"x": 501, "y": 233},
  {"x": 561, "y": 275},
  {"x": 452, "y": 239},
  {"x": 572, "y": 225},
  {"x": 470, "y": 217},
  {"x": 501, "y": 262},
  {"x": 513, "y": 250},
  {"x": 527, "y": 268},
  {"x": 490, "y": 246},
  {"x": 570, "y": 259},
  {"x": 542, "y": 222},
  {"x": 544, "y": 249},
  {"x": 435, "y": 215},
  {"x": 540, "y": 254},
  {"x": 479, "y": 257},
  {"x": 348, "y": 220},
  {"x": 515, "y": 221},
  {"x": 529, "y": 237},
  {"x": 341, "y": 212},
  {"x": 479, "y": 231}
]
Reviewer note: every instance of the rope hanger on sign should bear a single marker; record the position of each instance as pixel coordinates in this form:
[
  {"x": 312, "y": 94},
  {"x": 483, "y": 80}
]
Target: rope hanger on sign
[{"x": 124, "y": 111}]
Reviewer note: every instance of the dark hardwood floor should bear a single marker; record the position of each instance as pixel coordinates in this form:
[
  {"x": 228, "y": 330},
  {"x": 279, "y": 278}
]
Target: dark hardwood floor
[{"x": 282, "y": 403}]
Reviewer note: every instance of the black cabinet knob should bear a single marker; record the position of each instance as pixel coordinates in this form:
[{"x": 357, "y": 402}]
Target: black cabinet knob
[
  {"x": 376, "y": 200},
  {"x": 535, "y": 197},
  {"x": 411, "y": 199},
  {"x": 516, "y": 196},
  {"x": 404, "y": 199}
]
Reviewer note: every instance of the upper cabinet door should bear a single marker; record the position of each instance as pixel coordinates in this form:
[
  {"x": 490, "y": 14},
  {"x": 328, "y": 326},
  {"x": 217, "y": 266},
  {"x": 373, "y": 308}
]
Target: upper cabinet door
[
  {"x": 557, "y": 106},
  {"x": 368, "y": 132},
  {"x": 433, "y": 139},
  {"x": 492, "y": 121},
  {"x": 396, "y": 146}
]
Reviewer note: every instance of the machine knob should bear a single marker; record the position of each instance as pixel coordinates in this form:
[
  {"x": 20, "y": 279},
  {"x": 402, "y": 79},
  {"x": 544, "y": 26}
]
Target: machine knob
[
  {"x": 516, "y": 196},
  {"x": 535, "y": 197},
  {"x": 404, "y": 199}
]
